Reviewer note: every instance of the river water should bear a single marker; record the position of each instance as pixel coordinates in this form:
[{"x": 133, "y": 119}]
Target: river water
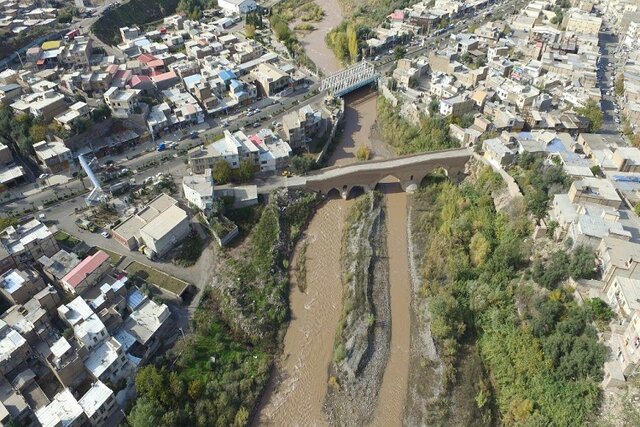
[{"x": 296, "y": 395}]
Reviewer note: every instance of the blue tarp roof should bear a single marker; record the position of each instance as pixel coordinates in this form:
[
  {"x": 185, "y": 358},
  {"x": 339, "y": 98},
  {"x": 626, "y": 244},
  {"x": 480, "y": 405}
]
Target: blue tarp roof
[{"x": 227, "y": 75}]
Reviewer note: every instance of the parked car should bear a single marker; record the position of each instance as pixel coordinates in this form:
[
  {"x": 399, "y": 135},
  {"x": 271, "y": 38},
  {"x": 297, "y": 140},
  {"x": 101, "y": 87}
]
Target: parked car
[{"x": 105, "y": 234}]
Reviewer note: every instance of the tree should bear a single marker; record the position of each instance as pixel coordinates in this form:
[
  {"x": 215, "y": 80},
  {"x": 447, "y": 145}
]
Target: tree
[
  {"x": 38, "y": 132},
  {"x": 145, "y": 413},
  {"x": 221, "y": 172},
  {"x": 352, "y": 43},
  {"x": 246, "y": 171},
  {"x": 619, "y": 87},
  {"x": 242, "y": 417},
  {"x": 150, "y": 383},
  {"x": 593, "y": 113},
  {"x": 250, "y": 31},
  {"x": 302, "y": 164},
  {"x": 399, "y": 52},
  {"x": 582, "y": 264},
  {"x": 363, "y": 153}
]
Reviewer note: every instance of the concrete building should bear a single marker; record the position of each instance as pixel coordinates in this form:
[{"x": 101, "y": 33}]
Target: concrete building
[
  {"x": 58, "y": 265},
  {"x": 594, "y": 190},
  {"x": 44, "y": 105},
  {"x": 146, "y": 325},
  {"x": 64, "y": 410},
  {"x": 298, "y": 126},
  {"x": 578, "y": 21},
  {"x": 98, "y": 403},
  {"x": 122, "y": 102},
  {"x": 237, "y": 7},
  {"x": 79, "y": 110},
  {"x": 627, "y": 159},
  {"x": 456, "y": 106},
  {"x": 54, "y": 156},
  {"x": 270, "y": 79},
  {"x": 160, "y": 225},
  {"x": 88, "y": 329},
  {"x": 65, "y": 361},
  {"x": 19, "y": 286},
  {"x": 108, "y": 362},
  {"x": 87, "y": 273},
  {"x": 78, "y": 52},
  {"x": 198, "y": 190},
  {"x": 618, "y": 258},
  {"x": 14, "y": 349},
  {"x": 28, "y": 242}
]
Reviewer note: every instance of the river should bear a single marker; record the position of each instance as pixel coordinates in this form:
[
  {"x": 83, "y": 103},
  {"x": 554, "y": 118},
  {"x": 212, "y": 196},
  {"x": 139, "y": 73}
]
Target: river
[{"x": 296, "y": 393}]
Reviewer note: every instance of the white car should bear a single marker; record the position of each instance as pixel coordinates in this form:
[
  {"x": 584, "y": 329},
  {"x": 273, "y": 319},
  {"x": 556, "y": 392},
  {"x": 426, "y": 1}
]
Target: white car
[{"x": 105, "y": 234}]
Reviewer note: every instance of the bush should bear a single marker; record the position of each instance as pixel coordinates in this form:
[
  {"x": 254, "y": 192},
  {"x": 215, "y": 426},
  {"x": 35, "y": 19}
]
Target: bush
[{"x": 363, "y": 153}]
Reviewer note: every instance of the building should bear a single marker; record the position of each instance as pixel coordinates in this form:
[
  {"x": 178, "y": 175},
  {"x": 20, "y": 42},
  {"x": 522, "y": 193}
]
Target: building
[
  {"x": 300, "y": 125},
  {"x": 457, "y": 106},
  {"x": 595, "y": 190},
  {"x": 198, "y": 190},
  {"x": 19, "y": 286},
  {"x": 78, "y": 52},
  {"x": 88, "y": 329},
  {"x": 146, "y": 325},
  {"x": 98, "y": 404},
  {"x": 65, "y": 361},
  {"x": 627, "y": 159},
  {"x": 43, "y": 105},
  {"x": 577, "y": 21},
  {"x": 122, "y": 102},
  {"x": 54, "y": 156},
  {"x": 58, "y": 265},
  {"x": 129, "y": 33},
  {"x": 623, "y": 294},
  {"x": 108, "y": 362},
  {"x": 87, "y": 273},
  {"x": 618, "y": 258},
  {"x": 237, "y": 7},
  {"x": 79, "y": 110},
  {"x": 64, "y": 410},
  {"x": 270, "y": 79},
  {"x": 14, "y": 348},
  {"x": 496, "y": 152},
  {"x": 159, "y": 226},
  {"x": 28, "y": 242}
]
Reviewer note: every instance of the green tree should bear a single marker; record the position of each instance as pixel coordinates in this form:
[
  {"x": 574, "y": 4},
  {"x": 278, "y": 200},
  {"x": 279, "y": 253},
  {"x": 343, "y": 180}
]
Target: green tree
[
  {"x": 221, "y": 172},
  {"x": 250, "y": 31},
  {"x": 593, "y": 113},
  {"x": 246, "y": 171},
  {"x": 145, "y": 413},
  {"x": 241, "y": 418},
  {"x": 399, "y": 52},
  {"x": 619, "y": 87},
  {"x": 352, "y": 43},
  {"x": 150, "y": 383}
]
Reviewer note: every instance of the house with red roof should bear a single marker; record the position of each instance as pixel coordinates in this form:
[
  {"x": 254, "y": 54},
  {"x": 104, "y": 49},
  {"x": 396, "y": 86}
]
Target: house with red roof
[
  {"x": 87, "y": 274},
  {"x": 143, "y": 83}
]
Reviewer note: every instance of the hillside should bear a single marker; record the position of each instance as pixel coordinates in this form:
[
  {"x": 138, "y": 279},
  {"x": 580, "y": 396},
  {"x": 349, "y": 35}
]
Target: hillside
[{"x": 134, "y": 12}]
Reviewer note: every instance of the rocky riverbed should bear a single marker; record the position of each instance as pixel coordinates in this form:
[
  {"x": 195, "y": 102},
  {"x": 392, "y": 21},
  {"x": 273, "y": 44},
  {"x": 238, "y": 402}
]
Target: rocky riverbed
[{"x": 362, "y": 341}]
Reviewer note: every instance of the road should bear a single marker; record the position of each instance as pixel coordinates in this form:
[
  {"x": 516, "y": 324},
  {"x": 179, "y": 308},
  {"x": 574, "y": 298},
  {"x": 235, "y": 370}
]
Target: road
[{"x": 606, "y": 81}]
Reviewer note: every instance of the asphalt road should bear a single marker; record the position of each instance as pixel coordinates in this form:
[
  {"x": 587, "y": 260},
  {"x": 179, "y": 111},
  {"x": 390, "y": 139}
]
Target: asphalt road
[{"x": 606, "y": 81}]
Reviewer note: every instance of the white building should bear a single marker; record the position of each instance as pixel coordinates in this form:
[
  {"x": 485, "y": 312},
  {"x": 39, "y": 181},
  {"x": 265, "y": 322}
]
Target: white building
[
  {"x": 87, "y": 326},
  {"x": 237, "y": 7},
  {"x": 64, "y": 410},
  {"x": 98, "y": 403},
  {"x": 108, "y": 362},
  {"x": 198, "y": 190},
  {"x": 122, "y": 102}
]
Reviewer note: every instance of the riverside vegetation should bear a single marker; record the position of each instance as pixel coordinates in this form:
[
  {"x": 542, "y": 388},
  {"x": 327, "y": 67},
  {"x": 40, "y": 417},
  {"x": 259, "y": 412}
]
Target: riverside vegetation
[
  {"x": 216, "y": 375},
  {"x": 540, "y": 360},
  {"x": 362, "y": 339}
]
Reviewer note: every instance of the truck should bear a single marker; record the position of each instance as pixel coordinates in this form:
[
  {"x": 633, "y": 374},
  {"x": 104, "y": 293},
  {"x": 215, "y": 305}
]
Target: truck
[
  {"x": 161, "y": 147},
  {"x": 86, "y": 225}
]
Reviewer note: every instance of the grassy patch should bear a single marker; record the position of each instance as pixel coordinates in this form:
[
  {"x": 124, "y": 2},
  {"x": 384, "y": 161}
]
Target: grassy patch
[
  {"x": 158, "y": 278},
  {"x": 190, "y": 250},
  {"x": 115, "y": 257},
  {"x": 65, "y": 239}
]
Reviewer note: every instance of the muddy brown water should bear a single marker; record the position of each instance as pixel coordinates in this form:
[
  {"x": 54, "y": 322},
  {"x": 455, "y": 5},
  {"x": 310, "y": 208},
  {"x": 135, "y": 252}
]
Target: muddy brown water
[
  {"x": 314, "y": 41},
  {"x": 296, "y": 395},
  {"x": 393, "y": 392}
]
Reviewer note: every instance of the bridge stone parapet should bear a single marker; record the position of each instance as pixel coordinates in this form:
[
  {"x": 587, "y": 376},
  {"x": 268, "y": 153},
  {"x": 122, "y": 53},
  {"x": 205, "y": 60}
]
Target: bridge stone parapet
[{"x": 408, "y": 170}]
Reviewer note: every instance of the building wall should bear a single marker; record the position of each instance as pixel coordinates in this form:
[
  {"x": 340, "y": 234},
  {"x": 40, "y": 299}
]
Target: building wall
[{"x": 169, "y": 240}]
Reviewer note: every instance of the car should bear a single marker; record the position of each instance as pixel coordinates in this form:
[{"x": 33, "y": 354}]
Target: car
[
  {"x": 124, "y": 171},
  {"x": 256, "y": 125},
  {"x": 42, "y": 217},
  {"x": 105, "y": 234},
  {"x": 194, "y": 134},
  {"x": 148, "y": 180},
  {"x": 377, "y": 58}
]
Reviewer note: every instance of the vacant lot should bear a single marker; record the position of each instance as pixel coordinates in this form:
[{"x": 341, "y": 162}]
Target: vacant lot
[{"x": 158, "y": 278}]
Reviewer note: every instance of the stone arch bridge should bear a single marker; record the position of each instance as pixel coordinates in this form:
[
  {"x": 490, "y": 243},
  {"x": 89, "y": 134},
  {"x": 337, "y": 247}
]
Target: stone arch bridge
[{"x": 408, "y": 170}]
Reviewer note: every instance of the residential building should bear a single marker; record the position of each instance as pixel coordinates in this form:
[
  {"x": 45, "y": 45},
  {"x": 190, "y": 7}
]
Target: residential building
[
  {"x": 160, "y": 225},
  {"x": 298, "y": 126},
  {"x": 78, "y": 52},
  {"x": 88, "y": 329},
  {"x": 627, "y": 159},
  {"x": 79, "y": 110},
  {"x": 594, "y": 190},
  {"x": 108, "y": 362},
  {"x": 43, "y": 105},
  {"x": 146, "y": 324},
  {"x": 19, "y": 286},
  {"x": 457, "y": 106},
  {"x": 87, "y": 273},
  {"x": 59, "y": 264},
  {"x": 237, "y": 7},
  {"x": 98, "y": 403},
  {"x": 65, "y": 361},
  {"x": 64, "y": 410},
  {"x": 577, "y": 21},
  {"x": 497, "y": 152},
  {"x": 27, "y": 242},
  {"x": 54, "y": 156},
  {"x": 623, "y": 295},
  {"x": 14, "y": 349},
  {"x": 270, "y": 79},
  {"x": 129, "y": 33},
  {"x": 198, "y": 190},
  {"x": 618, "y": 257},
  {"x": 122, "y": 102}
]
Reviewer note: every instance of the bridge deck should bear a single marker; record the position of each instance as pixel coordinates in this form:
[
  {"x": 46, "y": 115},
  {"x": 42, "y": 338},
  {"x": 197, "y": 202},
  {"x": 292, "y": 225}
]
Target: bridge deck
[{"x": 349, "y": 79}]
